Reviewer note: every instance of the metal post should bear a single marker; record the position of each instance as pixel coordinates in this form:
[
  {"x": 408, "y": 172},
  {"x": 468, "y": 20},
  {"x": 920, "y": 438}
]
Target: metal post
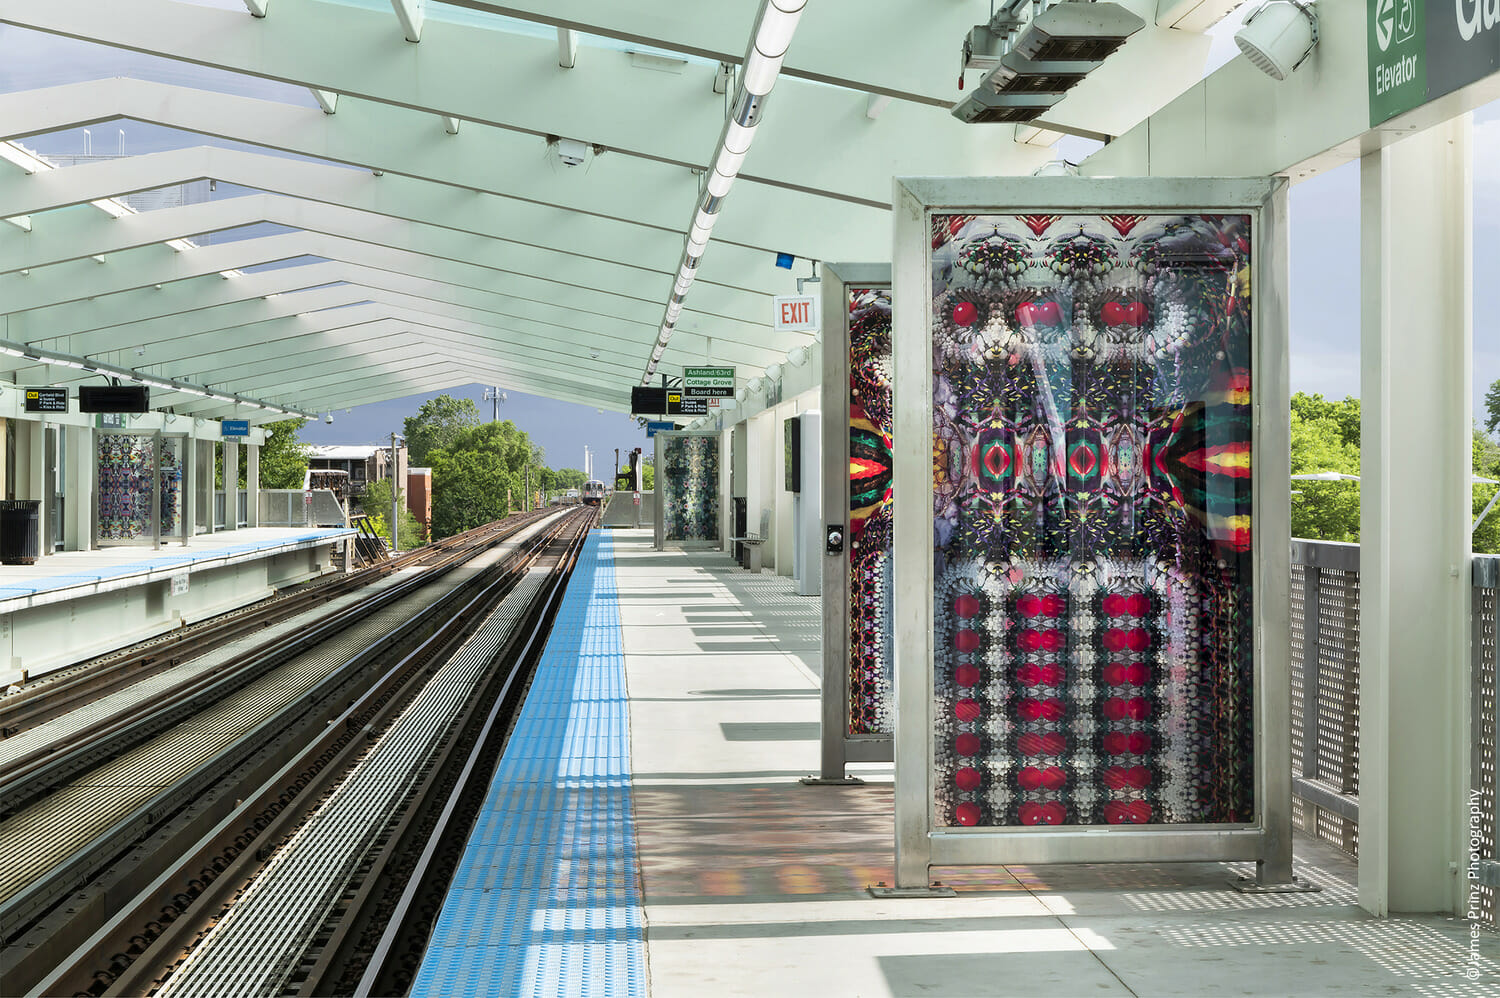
[
  {"x": 395, "y": 496},
  {"x": 1312, "y": 668},
  {"x": 1417, "y": 263}
]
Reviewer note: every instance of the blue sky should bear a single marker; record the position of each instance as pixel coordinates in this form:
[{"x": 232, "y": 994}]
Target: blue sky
[{"x": 1324, "y": 292}]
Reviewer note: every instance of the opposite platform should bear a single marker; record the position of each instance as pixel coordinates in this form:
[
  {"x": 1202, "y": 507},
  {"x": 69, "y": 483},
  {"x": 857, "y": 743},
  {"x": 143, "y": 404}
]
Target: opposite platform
[{"x": 74, "y": 605}]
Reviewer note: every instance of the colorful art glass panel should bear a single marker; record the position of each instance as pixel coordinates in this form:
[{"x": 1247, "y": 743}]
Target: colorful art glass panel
[
  {"x": 870, "y": 461},
  {"x": 1093, "y": 648},
  {"x": 690, "y": 488}
]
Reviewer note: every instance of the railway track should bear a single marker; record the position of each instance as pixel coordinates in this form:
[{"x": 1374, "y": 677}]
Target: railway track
[
  {"x": 209, "y": 791},
  {"x": 61, "y": 691}
]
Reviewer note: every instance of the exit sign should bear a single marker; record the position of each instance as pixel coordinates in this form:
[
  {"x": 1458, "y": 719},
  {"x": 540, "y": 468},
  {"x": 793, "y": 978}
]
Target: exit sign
[{"x": 795, "y": 313}]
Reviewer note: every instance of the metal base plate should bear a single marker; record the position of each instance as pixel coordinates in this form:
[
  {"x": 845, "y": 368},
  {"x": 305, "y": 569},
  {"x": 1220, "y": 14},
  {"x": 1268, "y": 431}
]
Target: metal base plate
[
  {"x": 818, "y": 781},
  {"x": 1249, "y": 885},
  {"x": 932, "y": 891}
]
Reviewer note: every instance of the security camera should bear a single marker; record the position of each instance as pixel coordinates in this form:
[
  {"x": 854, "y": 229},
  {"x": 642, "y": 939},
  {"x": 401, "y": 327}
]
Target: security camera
[{"x": 328, "y": 419}]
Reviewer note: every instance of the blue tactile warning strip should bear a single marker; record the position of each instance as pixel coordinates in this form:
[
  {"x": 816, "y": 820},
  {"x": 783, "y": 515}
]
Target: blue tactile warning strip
[{"x": 546, "y": 900}]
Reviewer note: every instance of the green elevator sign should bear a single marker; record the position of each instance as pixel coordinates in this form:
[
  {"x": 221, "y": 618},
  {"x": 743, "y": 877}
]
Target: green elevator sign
[{"x": 1398, "y": 57}]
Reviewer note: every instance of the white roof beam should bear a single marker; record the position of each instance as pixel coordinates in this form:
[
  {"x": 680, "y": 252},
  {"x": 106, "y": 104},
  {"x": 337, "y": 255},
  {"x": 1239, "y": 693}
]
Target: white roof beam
[
  {"x": 158, "y": 265},
  {"x": 450, "y": 124},
  {"x": 357, "y": 346},
  {"x": 411, "y": 14},
  {"x": 567, "y": 48},
  {"x": 339, "y": 391},
  {"x": 459, "y": 68},
  {"x": 327, "y": 99},
  {"x": 22, "y": 222},
  {"x": 257, "y": 8},
  {"x": 393, "y": 196},
  {"x": 428, "y": 240},
  {"x": 496, "y": 161},
  {"x": 256, "y": 325}
]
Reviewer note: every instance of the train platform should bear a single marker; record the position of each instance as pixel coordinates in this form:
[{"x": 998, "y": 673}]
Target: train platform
[
  {"x": 75, "y": 604},
  {"x": 680, "y": 856}
]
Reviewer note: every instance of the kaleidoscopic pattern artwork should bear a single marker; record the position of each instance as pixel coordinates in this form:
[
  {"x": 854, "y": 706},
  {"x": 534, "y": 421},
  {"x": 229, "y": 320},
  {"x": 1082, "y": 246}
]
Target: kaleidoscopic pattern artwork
[
  {"x": 870, "y": 587},
  {"x": 690, "y": 488},
  {"x": 1092, "y": 637},
  {"x": 125, "y": 464}
]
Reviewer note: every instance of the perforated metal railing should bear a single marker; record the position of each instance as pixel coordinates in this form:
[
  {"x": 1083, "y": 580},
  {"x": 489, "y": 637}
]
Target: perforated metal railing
[
  {"x": 1325, "y": 691},
  {"x": 1482, "y": 800},
  {"x": 1325, "y": 708}
]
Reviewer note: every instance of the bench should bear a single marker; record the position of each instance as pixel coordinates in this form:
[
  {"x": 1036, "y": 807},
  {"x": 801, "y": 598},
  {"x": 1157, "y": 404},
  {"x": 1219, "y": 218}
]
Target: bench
[{"x": 753, "y": 541}]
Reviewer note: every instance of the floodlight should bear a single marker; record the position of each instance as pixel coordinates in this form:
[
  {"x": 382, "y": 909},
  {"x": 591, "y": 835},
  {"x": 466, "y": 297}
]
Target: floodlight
[
  {"x": 1046, "y": 58},
  {"x": 797, "y": 356},
  {"x": 1279, "y": 36},
  {"x": 1072, "y": 31}
]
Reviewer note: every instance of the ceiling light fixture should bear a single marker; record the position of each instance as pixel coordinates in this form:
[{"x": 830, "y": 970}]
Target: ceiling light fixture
[
  {"x": 1278, "y": 36},
  {"x": 775, "y": 24}
]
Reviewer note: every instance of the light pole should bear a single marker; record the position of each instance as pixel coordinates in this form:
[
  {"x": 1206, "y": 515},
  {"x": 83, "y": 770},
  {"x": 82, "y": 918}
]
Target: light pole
[{"x": 395, "y": 494}]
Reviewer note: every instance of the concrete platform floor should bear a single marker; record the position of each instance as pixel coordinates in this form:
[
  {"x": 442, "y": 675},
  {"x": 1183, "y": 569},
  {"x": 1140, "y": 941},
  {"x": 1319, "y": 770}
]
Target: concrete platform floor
[{"x": 755, "y": 884}]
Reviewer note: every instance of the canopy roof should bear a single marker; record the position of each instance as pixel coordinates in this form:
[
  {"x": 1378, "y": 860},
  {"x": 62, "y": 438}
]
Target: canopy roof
[{"x": 438, "y": 237}]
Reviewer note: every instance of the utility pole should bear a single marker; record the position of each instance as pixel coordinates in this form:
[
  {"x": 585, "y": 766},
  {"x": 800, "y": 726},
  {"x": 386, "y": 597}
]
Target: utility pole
[
  {"x": 395, "y": 496},
  {"x": 495, "y": 395}
]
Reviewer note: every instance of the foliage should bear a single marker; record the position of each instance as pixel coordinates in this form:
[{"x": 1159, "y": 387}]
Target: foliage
[
  {"x": 470, "y": 487},
  {"x": 283, "y": 458},
  {"x": 377, "y": 505},
  {"x": 1492, "y": 408},
  {"x": 1486, "y": 464},
  {"x": 1325, "y": 437},
  {"x": 568, "y": 478},
  {"x": 648, "y": 476},
  {"x": 436, "y": 426}
]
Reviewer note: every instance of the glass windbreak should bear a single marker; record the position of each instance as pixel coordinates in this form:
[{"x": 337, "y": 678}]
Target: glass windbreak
[
  {"x": 126, "y": 464},
  {"x": 1093, "y": 652},
  {"x": 174, "y": 525},
  {"x": 690, "y": 488},
  {"x": 871, "y": 419}
]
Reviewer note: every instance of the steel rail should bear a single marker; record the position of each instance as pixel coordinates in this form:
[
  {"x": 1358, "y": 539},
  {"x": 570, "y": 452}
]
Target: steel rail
[
  {"x": 405, "y": 922},
  {"x": 195, "y": 759},
  {"x": 52, "y": 694},
  {"x": 125, "y": 963},
  {"x": 26, "y": 773},
  {"x": 273, "y": 931}
]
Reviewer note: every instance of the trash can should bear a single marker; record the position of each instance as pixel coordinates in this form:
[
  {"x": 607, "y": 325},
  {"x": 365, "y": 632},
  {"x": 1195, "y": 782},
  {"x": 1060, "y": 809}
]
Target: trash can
[{"x": 20, "y": 531}]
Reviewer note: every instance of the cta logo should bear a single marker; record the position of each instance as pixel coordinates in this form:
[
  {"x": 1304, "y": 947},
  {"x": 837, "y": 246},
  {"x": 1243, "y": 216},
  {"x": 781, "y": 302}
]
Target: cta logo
[
  {"x": 1473, "y": 17},
  {"x": 1396, "y": 20}
]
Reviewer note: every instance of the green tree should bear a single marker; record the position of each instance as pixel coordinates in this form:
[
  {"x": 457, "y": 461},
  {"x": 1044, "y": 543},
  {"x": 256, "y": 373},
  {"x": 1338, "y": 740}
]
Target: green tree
[
  {"x": 1485, "y": 464},
  {"x": 376, "y": 504},
  {"x": 469, "y": 488},
  {"x": 283, "y": 458},
  {"x": 1492, "y": 408},
  {"x": 436, "y": 426},
  {"x": 648, "y": 476},
  {"x": 569, "y": 478},
  {"x": 1325, "y": 437}
]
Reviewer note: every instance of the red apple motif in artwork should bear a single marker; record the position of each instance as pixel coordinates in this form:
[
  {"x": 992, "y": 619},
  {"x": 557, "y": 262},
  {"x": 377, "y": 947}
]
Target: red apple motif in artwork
[
  {"x": 1039, "y": 313},
  {"x": 1124, "y": 313}
]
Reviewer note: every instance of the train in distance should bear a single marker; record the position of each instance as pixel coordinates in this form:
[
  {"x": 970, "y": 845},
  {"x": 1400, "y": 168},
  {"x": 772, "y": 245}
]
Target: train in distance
[{"x": 593, "y": 492}]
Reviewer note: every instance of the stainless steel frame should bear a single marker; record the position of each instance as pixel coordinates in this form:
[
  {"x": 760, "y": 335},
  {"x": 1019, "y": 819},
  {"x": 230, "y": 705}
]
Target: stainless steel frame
[
  {"x": 920, "y": 842},
  {"x": 838, "y": 747},
  {"x": 659, "y": 526}
]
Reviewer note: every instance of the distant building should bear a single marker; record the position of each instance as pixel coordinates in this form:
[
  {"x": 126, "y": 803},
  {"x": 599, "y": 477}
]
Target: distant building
[
  {"x": 364, "y": 463},
  {"x": 419, "y": 496}
]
